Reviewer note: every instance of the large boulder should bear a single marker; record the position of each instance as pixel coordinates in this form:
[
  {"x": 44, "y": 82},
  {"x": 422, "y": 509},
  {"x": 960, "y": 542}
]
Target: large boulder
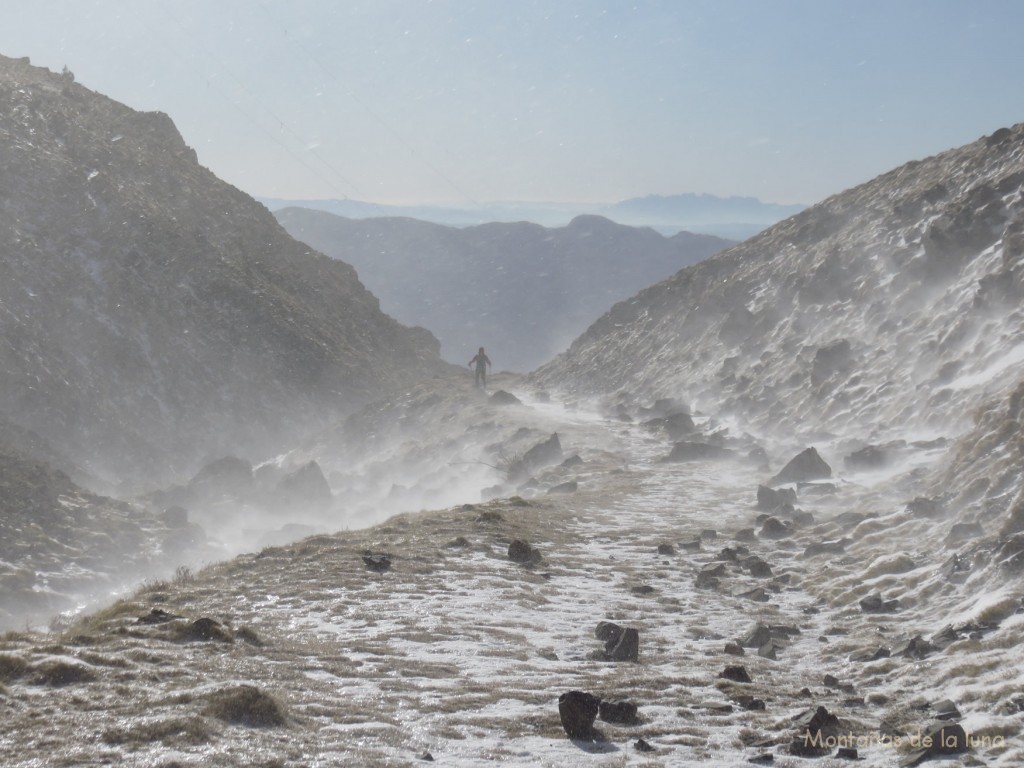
[{"x": 806, "y": 465}]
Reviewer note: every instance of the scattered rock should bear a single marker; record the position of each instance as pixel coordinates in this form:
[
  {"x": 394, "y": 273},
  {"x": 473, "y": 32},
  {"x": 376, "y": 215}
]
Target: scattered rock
[
  {"x": 807, "y": 465},
  {"x": 666, "y": 549},
  {"x": 773, "y": 528},
  {"x": 870, "y": 654},
  {"x": 734, "y": 649},
  {"x": 687, "y": 451},
  {"x": 204, "y": 630},
  {"x": 914, "y": 648},
  {"x": 946, "y": 739},
  {"x": 246, "y": 705},
  {"x": 642, "y": 746},
  {"x": 572, "y": 461},
  {"x": 826, "y": 547},
  {"x": 847, "y": 753},
  {"x": 757, "y": 567},
  {"x": 501, "y": 397},
  {"x": 814, "y": 729},
  {"x": 426, "y": 757},
  {"x": 924, "y": 507},
  {"x": 488, "y": 517},
  {"x": 620, "y": 712},
  {"x": 875, "y": 604},
  {"x": 765, "y": 758},
  {"x": 945, "y": 710},
  {"x": 577, "y": 711},
  {"x": 756, "y": 636},
  {"x": 770, "y": 499},
  {"x": 735, "y": 673},
  {"x": 521, "y": 552},
  {"x": 750, "y": 703},
  {"x": 642, "y": 590},
  {"x": 378, "y": 562},
  {"x": 693, "y": 545}
]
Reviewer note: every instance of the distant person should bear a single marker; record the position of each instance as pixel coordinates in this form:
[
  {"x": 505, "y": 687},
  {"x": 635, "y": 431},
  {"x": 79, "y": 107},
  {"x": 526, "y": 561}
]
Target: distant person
[{"x": 482, "y": 361}]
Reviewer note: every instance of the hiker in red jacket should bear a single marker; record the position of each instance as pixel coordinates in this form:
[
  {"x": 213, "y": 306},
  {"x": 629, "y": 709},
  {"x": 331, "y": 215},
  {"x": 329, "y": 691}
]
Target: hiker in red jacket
[{"x": 482, "y": 361}]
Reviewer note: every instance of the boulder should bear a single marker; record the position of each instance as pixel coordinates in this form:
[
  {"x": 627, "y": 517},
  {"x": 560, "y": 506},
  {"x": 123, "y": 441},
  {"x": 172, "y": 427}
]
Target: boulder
[
  {"x": 806, "y": 465},
  {"x": 737, "y": 674},
  {"x": 577, "y": 711},
  {"x": 814, "y": 729},
  {"x": 770, "y": 499},
  {"x": 620, "y": 643},
  {"x": 521, "y": 552},
  {"x": 501, "y": 397},
  {"x": 544, "y": 454},
  {"x": 378, "y": 562},
  {"x": 874, "y": 603},
  {"x": 304, "y": 488},
  {"x": 940, "y": 740},
  {"x": 620, "y": 712},
  {"x": 773, "y": 528}
]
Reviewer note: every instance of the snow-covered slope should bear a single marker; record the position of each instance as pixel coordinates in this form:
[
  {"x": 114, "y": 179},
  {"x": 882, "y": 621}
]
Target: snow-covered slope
[{"x": 887, "y": 311}]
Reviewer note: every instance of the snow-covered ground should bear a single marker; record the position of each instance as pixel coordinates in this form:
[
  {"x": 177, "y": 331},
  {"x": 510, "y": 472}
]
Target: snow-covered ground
[{"x": 460, "y": 653}]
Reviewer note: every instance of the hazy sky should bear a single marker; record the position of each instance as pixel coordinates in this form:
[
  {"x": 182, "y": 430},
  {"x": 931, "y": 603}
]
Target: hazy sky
[{"x": 466, "y": 101}]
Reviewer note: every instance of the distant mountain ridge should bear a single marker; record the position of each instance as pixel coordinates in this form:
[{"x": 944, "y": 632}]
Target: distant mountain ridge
[
  {"x": 521, "y": 290},
  {"x": 153, "y": 316},
  {"x": 734, "y": 218}
]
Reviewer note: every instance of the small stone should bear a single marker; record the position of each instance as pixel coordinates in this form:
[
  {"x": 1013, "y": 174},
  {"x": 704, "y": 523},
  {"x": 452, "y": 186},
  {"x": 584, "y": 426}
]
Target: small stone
[
  {"x": 765, "y": 758},
  {"x": 620, "y": 712},
  {"x": 847, "y": 753},
  {"x": 521, "y": 552},
  {"x": 378, "y": 562},
  {"x": 427, "y": 757},
  {"x": 666, "y": 549},
  {"x": 734, "y": 649},
  {"x": 736, "y": 674},
  {"x": 642, "y": 746}
]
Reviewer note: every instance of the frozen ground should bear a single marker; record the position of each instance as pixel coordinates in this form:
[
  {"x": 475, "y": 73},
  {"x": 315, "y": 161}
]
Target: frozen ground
[{"x": 460, "y": 653}]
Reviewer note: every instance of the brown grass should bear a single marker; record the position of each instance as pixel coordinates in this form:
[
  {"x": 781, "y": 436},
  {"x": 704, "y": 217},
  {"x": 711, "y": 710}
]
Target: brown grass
[
  {"x": 246, "y": 705},
  {"x": 190, "y": 730}
]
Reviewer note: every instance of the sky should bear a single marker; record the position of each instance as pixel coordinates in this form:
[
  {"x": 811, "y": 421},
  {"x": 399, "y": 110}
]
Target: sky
[{"x": 472, "y": 101}]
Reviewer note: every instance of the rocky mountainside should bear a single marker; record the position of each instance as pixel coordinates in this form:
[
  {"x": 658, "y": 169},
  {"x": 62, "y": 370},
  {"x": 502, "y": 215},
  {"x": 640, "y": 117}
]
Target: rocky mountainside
[
  {"x": 889, "y": 311},
  {"x": 521, "y": 290},
  {"x": 152, "y": 316}
]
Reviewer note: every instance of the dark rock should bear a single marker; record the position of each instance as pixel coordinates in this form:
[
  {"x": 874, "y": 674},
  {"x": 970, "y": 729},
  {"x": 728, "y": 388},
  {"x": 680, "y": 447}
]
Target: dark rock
[
  {"x": 642, "y": 746},
  {"x": 830, "y": 360},
  {"x": 946, "y": 739},
  {"x": 501, "y": 397},
  {"x": 757, "y": 594},
  {"x": 729, "y": 554},
  {"x": 814, "y": 729},
  {"x": 377, "y": 561},
  {"x": 745, "y": 534},
  {"x": 709, "y": 533},
  {"x": 627, "y": 648},
  {"x": 687, "y": 451},
  {"x": 577, "y": 711},
  {"x": 642, "y": 589},
  {"x": 807, "y": 465},
  {"x": 569, "y": 487},
  {"x": 826, "y": 548},
  {"x": 923, "y": 507},
  {"x": 521, "y": 552},
  {"x": 870, "y": 654},
  {"x": 765, "y": 758},
  {"x": 875, "y": 604},
  {"x": 914, "y": 648},
  {"x": 734, "y": 649},
  {"x": 750, "y": 703},
  {"x": 572, "y": 461},
  {"x": 831, "y": 681},
  {"x": 693, "y": 545},
  {"x": 770, "y": 499},
  {"x": 735, "y": 673},
  {"x": 847, "y": 753},
  {"x": 608, "y": 631},
  {"x": 869, "y": 457},
  {"x": 756, "y": 636},
  {"x": 945, "y": 710},
  {"x": 303, "y": 488},
  {"x": 544, "y": 454},
  {"x": 802, "y": 518},
  {"x": 666, "y": 549},
  {"x": 205, "y": 630},
  {"x": 426, "y": 757},
  {"x": 488, "y": 517},
  {"x": 619, "y": 712},
  {"x": 773, "y": 528}
]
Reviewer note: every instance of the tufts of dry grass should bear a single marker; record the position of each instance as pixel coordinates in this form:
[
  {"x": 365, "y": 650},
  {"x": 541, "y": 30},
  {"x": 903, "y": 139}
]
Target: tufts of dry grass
[
  {"x": 59, "y": 673},
  {"x": 11, "y": 667},
  {"x": 190, "y": 730},
  {"x": 246, "y": 705}
]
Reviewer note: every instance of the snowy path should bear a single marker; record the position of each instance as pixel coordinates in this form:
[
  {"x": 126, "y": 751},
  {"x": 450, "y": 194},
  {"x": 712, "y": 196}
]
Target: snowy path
[{"x": 459, "y": 652}]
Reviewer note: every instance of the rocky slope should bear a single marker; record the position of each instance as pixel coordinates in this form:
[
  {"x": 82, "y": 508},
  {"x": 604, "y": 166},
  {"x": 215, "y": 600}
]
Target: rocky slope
[
  {"x": 889, "y": 310},
  {"x": 152, "y": 316},
  {"x": 521, "y": 290}
]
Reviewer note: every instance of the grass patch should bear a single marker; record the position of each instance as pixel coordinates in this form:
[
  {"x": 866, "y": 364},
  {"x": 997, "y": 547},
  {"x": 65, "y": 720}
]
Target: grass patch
[
  {"x": 60, "y": 673},
  {"x": 246, "y": 705},
  {"x": 191, "y": 730},
  {"x": 11, "y": 667}
]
